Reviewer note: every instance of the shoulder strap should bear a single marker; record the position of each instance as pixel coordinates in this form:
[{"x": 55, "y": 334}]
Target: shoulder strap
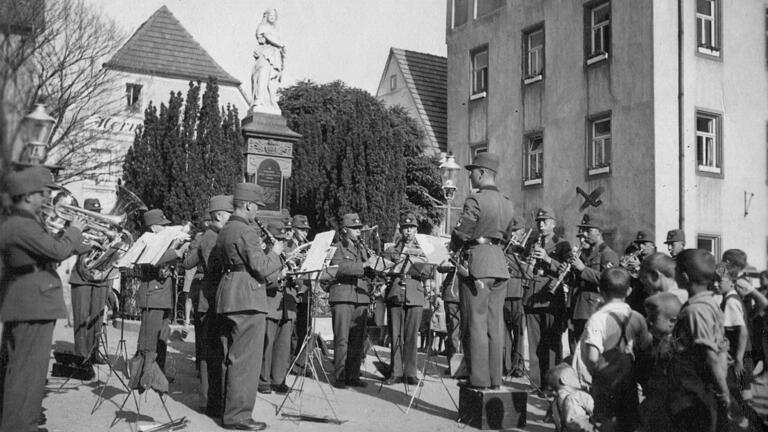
[
  {"x": 622, "y": 325},
  {"x": 724, "y": 301}
]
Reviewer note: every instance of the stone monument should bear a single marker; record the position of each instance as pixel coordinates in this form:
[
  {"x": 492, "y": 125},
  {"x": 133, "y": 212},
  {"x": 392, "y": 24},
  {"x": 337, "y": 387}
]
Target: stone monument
[{"x": 269, "y": 141}]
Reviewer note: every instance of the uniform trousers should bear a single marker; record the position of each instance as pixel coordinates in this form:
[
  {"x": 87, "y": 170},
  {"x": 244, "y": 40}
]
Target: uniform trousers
[
  {"x": 302, "y": 321},
  {"x": 243, "y": 343},
  {"x": 88, "y": 303},
  {"x": 26, "y": 351},
  {"x": 453, "y": 326},
  {"x": 482, "y": 317},
  {"x": 404, "y": 322},
  {"x": 277, "y": 351},
  {"x": 513, "y": 346},
  {"x": 544, "y": 343},
  {"x": 154, "y": 324},
  {"x": 211, "y": 363},
  {"x": 349, "y": 323}
]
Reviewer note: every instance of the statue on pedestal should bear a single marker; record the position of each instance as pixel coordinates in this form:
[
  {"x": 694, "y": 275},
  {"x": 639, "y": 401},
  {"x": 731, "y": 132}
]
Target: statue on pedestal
[{"x": 267, "y": 73}]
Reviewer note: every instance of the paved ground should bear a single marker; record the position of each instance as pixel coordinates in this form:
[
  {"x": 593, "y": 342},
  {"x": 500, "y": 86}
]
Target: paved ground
[{"x": 374, "y": 408}]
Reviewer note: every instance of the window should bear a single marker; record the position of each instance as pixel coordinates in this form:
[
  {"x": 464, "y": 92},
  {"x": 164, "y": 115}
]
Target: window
[
  {"x": 133, "y": 97},
  {"x": 479, "y": 72},
  {"x": 534, "y": 55},
  {"x": 599, "y": 145},
  {"x": 460, "y": 12},
  {"x": 708, "y": 27},
  {"x": 533, "y": 159},
  {"x": 710, "y": 243},
  {"x": 476, "y": 150},
  {"x": 393, "y": 82},
  {"x": 484, "y": 7},
  {"x": 708, "y": 145},
  {"x": 598, "y": 32}
]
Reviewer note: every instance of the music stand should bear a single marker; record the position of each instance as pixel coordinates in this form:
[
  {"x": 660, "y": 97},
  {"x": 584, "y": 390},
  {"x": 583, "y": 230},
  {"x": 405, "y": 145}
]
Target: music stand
[{"x": 121, "y": 352}]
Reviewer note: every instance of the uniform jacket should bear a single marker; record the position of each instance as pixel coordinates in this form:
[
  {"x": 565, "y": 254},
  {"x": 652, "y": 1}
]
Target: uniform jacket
[
  {"x": 350, "y": 285},
  {"x": 587, "y": 297},
  {"x": 450, "y": 287},
  {"x": 24, "y": 242},
  {"x": 487, "y": 214},
  {"x": 156, "y": 292},
  {"x": 281, "y": 297},
  {"x": 517, "y": 276},
  {"x": 407, "y": 288},
  {"x": 76, "y": 277},
  {"x": 544, "y": 276},
  {"x": 244, "y": 266},
  {"x": 198, "y": 255}
]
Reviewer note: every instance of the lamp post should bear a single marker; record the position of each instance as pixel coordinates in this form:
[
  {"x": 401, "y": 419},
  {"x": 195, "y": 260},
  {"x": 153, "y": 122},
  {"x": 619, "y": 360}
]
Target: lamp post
[
  {"x": 36, "y": 129},
  {"x": 449, "y": 169}
]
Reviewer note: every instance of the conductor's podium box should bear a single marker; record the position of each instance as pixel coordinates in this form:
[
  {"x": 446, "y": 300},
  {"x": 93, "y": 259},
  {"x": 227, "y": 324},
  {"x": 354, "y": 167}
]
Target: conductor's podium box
[{"x": 493, "y": 409}]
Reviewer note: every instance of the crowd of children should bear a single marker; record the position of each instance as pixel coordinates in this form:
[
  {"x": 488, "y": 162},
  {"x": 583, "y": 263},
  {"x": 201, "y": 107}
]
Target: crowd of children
[{"x": 684, "y": 362}]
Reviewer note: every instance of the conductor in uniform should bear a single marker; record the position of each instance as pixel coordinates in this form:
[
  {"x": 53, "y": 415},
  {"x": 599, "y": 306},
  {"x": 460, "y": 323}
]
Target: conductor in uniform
[
  {"x": 349, "y": 299},
  {"x": 588, "y": 267},
  {"x": 31, "y": 297},
  {"x": 241, "y": 303},
  {"x": 485, "y": 223}
]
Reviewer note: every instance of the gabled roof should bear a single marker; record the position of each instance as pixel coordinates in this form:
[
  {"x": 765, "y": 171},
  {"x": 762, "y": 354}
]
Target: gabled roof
[
  {"x": 426, "y": 76},
  {"x": 163, "y": 47}
]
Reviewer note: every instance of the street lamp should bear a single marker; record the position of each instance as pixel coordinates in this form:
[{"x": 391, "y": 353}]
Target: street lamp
[
  {"x": 449, "y": 169},
  {"x": 36, "y": 129}
]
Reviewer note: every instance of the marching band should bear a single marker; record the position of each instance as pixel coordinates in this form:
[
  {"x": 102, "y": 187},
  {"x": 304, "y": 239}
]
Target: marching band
[{"x": 251, "y": 314}]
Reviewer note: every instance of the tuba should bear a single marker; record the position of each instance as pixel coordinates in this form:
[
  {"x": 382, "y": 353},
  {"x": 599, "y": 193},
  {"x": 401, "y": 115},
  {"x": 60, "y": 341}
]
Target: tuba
[{"x": 106, "y": 233}]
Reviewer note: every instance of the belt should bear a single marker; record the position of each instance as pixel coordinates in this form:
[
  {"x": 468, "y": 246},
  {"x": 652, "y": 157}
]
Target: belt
[
  {"x": 26, "y": 269},
  {"x": 235, "y": 268},
  {"x": 481, "y": 241}
]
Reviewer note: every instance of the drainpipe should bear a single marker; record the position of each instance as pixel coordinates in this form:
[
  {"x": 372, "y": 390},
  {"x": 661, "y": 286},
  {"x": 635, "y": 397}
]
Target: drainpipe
[{"x": 680, "y": 117}]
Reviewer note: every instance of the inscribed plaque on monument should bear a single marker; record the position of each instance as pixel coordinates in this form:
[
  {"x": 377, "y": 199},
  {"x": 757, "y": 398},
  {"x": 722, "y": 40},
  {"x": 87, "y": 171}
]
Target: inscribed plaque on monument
[{"x": 270, "y": 178}]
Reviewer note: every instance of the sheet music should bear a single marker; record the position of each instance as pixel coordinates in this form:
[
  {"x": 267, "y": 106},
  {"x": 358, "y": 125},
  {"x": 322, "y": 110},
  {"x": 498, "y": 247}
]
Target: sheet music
[
  {"x": 150, "y": 247},
  {"x": 434, "y": 249},
  {"x": 319, "y": 253}
]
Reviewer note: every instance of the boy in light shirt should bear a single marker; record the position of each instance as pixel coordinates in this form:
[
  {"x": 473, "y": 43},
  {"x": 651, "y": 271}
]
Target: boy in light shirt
[{"x": 604, "y": 356}]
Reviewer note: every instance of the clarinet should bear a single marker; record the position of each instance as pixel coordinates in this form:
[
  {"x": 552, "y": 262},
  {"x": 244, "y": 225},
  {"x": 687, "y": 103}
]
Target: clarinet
[
  {"x": 270, "y": 238},
  {"x": 532, "y": 261}
]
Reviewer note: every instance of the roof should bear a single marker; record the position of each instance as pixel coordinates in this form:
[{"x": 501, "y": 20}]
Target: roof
[
  {"x": 426, "y": 76},
  {"x": 163, "y": 47}
]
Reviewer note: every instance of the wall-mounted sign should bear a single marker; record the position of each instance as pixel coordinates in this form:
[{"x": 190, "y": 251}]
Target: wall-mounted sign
[
  {"x": 270, "y": 177},
  {"x": 116, "y": 125},
  {"x": 270, "y": 147}
]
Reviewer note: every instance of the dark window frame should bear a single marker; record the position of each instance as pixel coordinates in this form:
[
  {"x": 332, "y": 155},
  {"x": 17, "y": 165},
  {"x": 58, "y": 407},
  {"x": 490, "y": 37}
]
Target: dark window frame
[
  {"x": 606, "y": 167},
  {"x": 475, "y": 91},
  {"x": 537, "y": 179},
  {"x": 528, "y": 76},
  {"x": 717, "y": 171},
  {"x": 591, "y": 54}
]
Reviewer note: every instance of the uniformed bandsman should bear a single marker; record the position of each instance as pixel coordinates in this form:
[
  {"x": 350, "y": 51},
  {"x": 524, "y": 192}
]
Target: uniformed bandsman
[
  {"x": 208, "y": 349},
  {"x": 405, "y": 298},
  {"x": 241, "y": 304},
  {"x": 478, "y": 237},
  {"x": 89, "y": 296},
  {"x": 281, "y": 314},
  {"x": 545, "y": 312},
  {"x": 675, "y": 242},
  {"x": 452, "y": 305},
  {"x": 349, "y": 299},
  {"x": 32, "y": 297},
  {"x": 155, "y": 294},
  {"x": 588, "y": 267},
  {"x": 513, "y": 303},
  {"x": 300, "y": 225}
]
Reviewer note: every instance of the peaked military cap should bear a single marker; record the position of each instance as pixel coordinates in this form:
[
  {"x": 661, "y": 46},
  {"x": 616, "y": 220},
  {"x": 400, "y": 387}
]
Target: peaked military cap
[
  {"x": 485, "y": 160},
  {"x": 155, "y": 217},
  {"x": 517, "y": 223},
  {"x": 408, "y": 219},
  {"x": 28, "y": 180},
  {"x": 221, "y": 203},
  {"x": 300, "y": 221},
  {"x": 545, "y": 213},
  {"x": 249, "y": 192},
  {"x": 278, "y": 230},
  {"x": 590, "y": 221},
  {"x": 645, "y": 237},
  {"x": 675, "y": 235},
  {"x": 92, "y": 204},
  {"x": 351, "y": 220}
]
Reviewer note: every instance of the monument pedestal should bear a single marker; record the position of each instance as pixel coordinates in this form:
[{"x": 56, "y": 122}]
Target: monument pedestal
[
  {"x": 268, "y": 160},
  {"x": 493, "y": 409}
]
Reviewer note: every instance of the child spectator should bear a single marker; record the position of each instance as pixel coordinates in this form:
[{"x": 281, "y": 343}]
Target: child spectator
[
  {"x": 604, "y": 356},
  {"x": 657, "y": 273},
  {"x": 760, "y": 328},
  {"x": 437, "y": 325},
  {"x": 661, "y": 310},
  {"x": 573, "y": 406},
  {"x": 699, "y": 396}
]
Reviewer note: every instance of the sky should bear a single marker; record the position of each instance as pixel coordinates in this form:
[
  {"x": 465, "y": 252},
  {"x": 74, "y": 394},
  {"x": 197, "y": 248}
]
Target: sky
[{"x": 326, "y": 40}]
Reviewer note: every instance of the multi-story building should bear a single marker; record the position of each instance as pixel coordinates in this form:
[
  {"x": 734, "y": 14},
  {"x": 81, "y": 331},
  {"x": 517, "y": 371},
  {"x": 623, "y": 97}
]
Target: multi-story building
[
  {"x": 662, "y": 104},
  {"x": 159, "y": 58}
]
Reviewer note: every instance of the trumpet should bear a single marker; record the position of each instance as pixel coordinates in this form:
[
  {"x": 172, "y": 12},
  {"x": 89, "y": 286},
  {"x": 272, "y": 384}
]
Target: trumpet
[{"x": 631, "y": 262}]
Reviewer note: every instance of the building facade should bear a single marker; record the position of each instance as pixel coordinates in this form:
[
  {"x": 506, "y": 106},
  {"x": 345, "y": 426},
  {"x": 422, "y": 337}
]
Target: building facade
[
  {"x": 159, "y": 58},
  {"x": 609, "y": 95}
]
